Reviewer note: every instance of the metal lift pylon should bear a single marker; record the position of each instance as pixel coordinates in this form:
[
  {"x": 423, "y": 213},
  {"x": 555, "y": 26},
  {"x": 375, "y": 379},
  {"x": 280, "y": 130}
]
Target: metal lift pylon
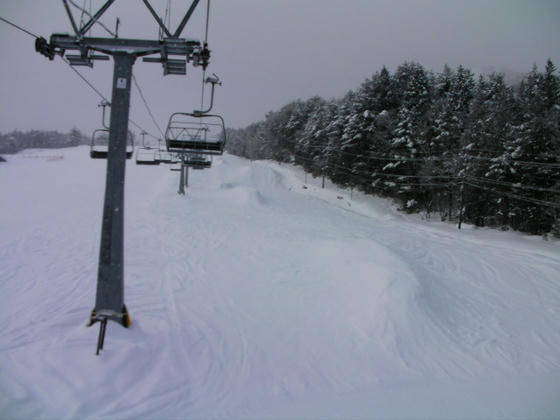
[
  {"x": 182, "y": 176},
  {"x": 109, "y": 301}
]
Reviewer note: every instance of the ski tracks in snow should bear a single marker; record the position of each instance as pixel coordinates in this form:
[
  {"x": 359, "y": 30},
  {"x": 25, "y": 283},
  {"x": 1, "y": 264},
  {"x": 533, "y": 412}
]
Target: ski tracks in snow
[
  {"x": 480, "y": 296},
  {"x": 250, "y": 295}
]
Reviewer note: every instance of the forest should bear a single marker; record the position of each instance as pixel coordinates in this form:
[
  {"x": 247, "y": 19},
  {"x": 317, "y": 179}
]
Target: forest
[
  {"x": 16, "y": 141},
  {"x": 463, "y": 147}
]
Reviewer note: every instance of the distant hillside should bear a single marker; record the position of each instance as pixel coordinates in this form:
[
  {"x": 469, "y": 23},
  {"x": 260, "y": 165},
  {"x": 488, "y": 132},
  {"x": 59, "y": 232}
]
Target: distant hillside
[{"x": 35, "y": 139}]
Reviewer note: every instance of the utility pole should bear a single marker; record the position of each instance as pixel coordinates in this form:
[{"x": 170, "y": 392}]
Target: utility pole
[{"x": 109, "y": 301}]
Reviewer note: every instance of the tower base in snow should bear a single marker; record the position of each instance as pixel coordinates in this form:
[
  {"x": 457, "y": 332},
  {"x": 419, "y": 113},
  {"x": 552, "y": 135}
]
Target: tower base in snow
[{"x": 102, "y": 317}]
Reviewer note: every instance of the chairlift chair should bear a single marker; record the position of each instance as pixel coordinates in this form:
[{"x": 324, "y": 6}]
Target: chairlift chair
[
  {"x": 99, "y": 148},
  {"x": 199, "y": 168},
  {"x": 197, "y": 161},
  {"x": 147, "y": 154},
  {"x": 195, "y": 133},
  {"x": 168, "y": 157},
  {"x": 165, "y": 157}
]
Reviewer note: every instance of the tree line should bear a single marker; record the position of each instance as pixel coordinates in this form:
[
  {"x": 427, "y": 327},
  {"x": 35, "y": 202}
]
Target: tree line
[
  {"x": 467, "y": 148},
  {"x": 37, "y": 139}
]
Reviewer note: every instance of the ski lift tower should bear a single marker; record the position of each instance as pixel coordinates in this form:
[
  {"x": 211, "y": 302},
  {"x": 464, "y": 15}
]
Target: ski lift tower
[{"x": 174, "y": 54}]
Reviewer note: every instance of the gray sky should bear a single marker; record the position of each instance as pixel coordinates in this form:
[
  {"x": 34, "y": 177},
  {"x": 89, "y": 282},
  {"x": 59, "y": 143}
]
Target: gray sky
[{"x": 267, "y": 53}]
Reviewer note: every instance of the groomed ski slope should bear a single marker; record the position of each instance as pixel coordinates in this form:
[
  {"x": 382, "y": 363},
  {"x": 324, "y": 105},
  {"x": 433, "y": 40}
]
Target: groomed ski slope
[{"x": 252, "y": 297}]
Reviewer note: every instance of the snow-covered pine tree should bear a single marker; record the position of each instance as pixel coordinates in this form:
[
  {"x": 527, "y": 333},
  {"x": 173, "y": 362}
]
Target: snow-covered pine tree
[
  {"x": 408, "y": 142},
  {"x": 314, "y": 138},
  {"x": 487, "y": 165},
  {"x": 535, "y": 151},
  {"x": 304, "y": 138},
  {"x": 450, "y": 114},
  {"x": 335, "y": 132}
]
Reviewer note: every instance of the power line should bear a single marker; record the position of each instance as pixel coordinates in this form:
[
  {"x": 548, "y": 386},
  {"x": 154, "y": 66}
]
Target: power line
[
  {"x": 399, "y": 159},
  {"x": 515, "y": 196},
  {"x": 512, "y": 161},
  {"x": 372, "y": 177},
  {"x": 512, "y": 185},
  {"x": 447, "y": 184},
  {"x": 429, "y": 158},
  {"x": 450, "y": 184}
]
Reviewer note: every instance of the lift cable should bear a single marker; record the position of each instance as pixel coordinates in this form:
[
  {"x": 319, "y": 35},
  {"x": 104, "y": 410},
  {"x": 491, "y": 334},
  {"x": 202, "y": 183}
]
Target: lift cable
[
  {"x": 147, "y": 106},
  {"x": 19, "y": 27},
  {"x": 207, "y": 21},
  {"x": 63, "y": 58},
  {"x": 103, "y": 96},
  {"x": 84, "y": 79},
  {"x": 205, "y": 44},
  {"x": 87, "y": 81}
]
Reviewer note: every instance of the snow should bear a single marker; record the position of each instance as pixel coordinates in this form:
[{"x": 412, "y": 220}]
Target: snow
[{"x": 252, "y": 297}]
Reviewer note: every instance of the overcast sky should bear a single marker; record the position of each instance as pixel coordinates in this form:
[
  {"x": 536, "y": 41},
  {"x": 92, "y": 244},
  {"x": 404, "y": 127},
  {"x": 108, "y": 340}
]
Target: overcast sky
[{"x": 267, "y": 53}]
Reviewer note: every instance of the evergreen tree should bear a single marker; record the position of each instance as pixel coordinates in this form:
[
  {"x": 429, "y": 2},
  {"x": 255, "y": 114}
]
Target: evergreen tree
[
  {"x": 313, "y": 141},
  {"x": 450, "y": 115},
  {"x": 411, "y": 135},
  {"x": 535, "y": 150},
  {"x": 486, "y": 162},
  {"x": 409, "y": 138},
  {"x": 335, "y": 132}
]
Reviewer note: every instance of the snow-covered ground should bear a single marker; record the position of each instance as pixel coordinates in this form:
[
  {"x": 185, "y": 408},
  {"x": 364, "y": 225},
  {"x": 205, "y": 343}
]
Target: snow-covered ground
[{"x": 252, "y": 297}]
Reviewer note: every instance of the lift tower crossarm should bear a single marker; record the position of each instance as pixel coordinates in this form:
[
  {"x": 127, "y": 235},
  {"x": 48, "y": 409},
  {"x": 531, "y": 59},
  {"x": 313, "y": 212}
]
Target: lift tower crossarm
[
  {"x": 188, "y": 48},
  {"x": 138, "y": 47}
]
